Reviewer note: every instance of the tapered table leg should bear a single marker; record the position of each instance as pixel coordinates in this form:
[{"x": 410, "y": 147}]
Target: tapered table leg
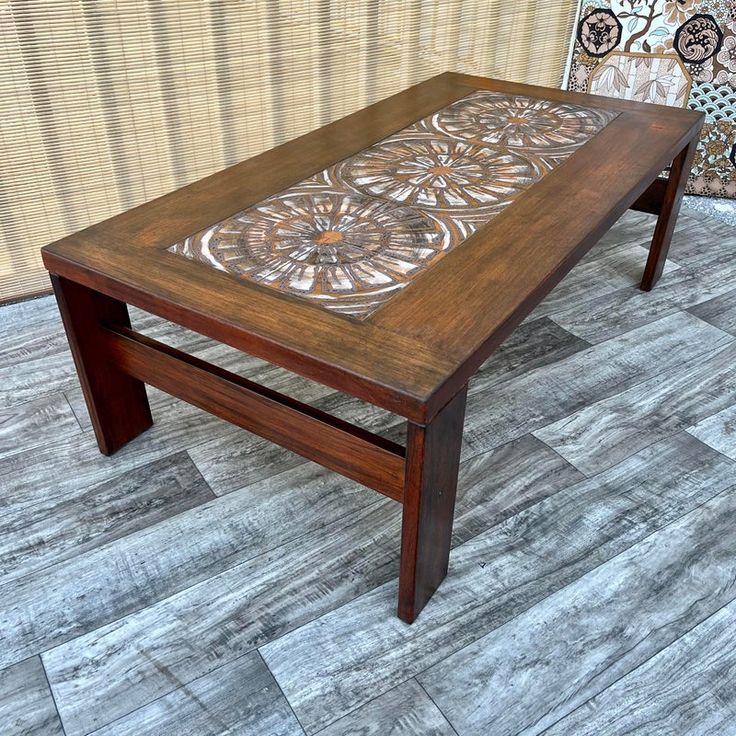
[
  {"x": 432, "y": 462},
  {"x": 668, "y": 215},
  {"x": 117, "y": 404}
]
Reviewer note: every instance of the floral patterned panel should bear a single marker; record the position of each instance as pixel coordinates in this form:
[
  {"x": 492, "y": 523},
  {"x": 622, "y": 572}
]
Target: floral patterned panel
[
  {"x": 659, "y": 78},
  {"x": 355, "y": 234},
  {"x": 673, "y": 52}
]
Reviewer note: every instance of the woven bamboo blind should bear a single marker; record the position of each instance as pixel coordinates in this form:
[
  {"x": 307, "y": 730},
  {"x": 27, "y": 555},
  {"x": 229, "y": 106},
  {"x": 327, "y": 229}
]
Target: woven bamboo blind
[{"x": 109, "y": 103}]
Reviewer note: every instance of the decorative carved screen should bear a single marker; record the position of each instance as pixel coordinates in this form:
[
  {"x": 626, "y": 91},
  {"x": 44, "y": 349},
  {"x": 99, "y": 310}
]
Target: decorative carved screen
[{"x": 669, "y": 52}]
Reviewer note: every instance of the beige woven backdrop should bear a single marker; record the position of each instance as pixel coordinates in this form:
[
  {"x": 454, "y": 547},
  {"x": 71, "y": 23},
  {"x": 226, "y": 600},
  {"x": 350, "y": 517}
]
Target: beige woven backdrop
[{"x": 109, "y": 103}]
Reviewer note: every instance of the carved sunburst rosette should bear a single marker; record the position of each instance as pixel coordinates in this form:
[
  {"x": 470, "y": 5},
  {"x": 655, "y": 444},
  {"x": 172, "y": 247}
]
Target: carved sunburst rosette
[
  {"x": 440, "y": 174},
  {"x": 346, "y": 250},
  {"x": 351, "y": 236},
  {"x": 525, "y": 125}
]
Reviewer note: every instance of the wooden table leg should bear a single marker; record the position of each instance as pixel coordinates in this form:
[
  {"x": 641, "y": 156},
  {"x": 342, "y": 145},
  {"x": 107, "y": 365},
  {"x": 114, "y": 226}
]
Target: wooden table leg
[
  {"x": 117, "y": 403},
  {"x": 432, "y": 462},
  {"x": 668, "y": 215}
]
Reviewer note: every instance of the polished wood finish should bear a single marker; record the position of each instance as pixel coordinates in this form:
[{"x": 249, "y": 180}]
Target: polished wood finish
[
  {"x": 418, "y": 350},
  {"x": 356, "y": 453},
  {"x": 413, "y": 357},
  {"x": 432, "y": 461},
  {"x": 116, "y": 401},
  {"x": 480, "y": 292},
  {"x": 670, "y": 207}
]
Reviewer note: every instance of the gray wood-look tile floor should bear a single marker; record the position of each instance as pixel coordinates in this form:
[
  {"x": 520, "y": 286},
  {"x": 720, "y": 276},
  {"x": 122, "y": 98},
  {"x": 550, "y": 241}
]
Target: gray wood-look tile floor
[{"x": 203, "y": 581}]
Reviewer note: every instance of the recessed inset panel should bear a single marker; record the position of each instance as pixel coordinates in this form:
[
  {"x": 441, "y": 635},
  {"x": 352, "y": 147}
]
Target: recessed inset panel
[
  {"x": 355, "y": 234},
  {"x": 440, "y": 174},
  {"x": 341, "y": 249}
]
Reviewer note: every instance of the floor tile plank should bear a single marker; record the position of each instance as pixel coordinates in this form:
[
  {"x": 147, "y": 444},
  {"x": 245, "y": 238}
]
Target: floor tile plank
[
  {"x": 686, "y": 689},
  {"x": 34, "y": 353},
  {"x": 531, "y": 345},
  {"x": 604, "y": 433},
  {"x": 404, "y": 711},
  {"x": 26, "y": 705},
  {"x": 26, "y": 327},
  {"x": 720, "y": 311},
  {"x": 632, "y": 228},
  {"x": 626, "y": 309},
  {"x": 493, "y": 578},
  {"x": 43, "y": 475},
  {"x": 240, "y": 698},
  {"x": 699, "y": 242},
  {"x": 108, "y": 673},
  {"x": 719, "y": 431},
  {"x": 618, "y": 269},
  {"x": 550, "y": 393},
  {"x": 34, "y": 535},
  {"x": 31, "y": 424}
]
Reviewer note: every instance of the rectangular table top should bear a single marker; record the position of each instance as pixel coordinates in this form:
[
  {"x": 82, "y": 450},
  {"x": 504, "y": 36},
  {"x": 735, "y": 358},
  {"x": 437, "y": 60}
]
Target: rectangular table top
[{"x": 387, "y": 254}]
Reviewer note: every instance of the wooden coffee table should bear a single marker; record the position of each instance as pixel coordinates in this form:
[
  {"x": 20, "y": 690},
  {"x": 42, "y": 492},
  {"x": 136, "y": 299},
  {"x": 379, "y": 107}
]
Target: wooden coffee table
[{"x": 385, "y": 255}]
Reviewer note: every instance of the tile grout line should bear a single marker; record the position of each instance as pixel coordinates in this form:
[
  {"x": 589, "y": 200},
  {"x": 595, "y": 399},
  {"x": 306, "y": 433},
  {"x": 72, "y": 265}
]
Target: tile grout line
[
  {"x": 520, "y": 613},
  {"x": 444, "y": 715},
  {"x": 643, "y": 447},
  {"x": 183, "y": 686},
  {"x": 84, "y": 431},
  {"x": 372, "y": 700},
  {"x": 378, "y": 501},
  {"x": 731, "y": 293},
  {"x": 710, "y": 354},
  {"x": 703, "y": 442},
  {"x": 684, "y": 270},
  {"x": 358, "y": 707},
  {"x": 197, "y": 469},
  {"x": 278, "y": 685},
  {"x": 575, "y": 467},
  {"x": 51, "y": 693}
]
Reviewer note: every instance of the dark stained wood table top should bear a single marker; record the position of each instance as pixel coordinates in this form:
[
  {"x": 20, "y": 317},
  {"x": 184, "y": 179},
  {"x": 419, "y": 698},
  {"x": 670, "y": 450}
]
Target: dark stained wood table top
[{"x": 389, "y": 273}]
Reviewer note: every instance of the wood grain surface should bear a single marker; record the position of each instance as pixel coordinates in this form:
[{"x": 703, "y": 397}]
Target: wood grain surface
[{"x": 413, "y": 355}]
